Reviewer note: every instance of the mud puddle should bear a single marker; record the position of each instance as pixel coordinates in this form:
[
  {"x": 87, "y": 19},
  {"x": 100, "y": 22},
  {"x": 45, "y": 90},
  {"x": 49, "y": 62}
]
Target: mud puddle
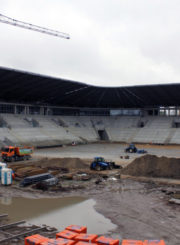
[{"x": 56, "y": 212}]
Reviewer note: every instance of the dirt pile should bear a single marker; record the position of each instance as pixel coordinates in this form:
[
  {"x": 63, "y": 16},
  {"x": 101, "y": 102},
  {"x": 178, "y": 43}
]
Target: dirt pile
[
  {"x": 70, "y": 163},
  {"x": 29, "y": 171},
  {"x": 43, "y": 165},
  {"x": 153, "y": 166},
  {"x": 24, "y": 170}
]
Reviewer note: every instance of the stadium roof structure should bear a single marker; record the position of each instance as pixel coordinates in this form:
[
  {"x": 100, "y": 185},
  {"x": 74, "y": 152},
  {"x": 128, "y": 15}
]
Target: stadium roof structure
[{"x": 24, "y": 87}]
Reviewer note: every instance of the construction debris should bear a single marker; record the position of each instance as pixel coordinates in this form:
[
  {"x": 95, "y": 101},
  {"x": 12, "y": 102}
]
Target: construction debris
[{"x": 174, "y": 201}]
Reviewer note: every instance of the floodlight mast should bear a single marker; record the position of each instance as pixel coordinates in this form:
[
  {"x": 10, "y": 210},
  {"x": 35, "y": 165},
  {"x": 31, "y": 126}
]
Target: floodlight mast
[{"x": 25, "y": 25}]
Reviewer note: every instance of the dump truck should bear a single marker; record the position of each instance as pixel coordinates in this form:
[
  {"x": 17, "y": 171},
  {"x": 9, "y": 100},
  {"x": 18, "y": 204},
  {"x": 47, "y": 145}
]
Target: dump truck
[{"x": 14, "y": 153}]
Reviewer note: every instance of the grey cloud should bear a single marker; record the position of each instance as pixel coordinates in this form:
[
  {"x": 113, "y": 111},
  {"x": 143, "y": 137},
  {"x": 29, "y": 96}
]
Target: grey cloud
[{"x": 114, "y": 42}]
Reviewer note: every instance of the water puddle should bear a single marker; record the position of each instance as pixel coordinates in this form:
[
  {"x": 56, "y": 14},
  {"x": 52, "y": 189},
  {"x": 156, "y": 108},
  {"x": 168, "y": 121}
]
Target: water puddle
[{"x": 56, "y": 212}]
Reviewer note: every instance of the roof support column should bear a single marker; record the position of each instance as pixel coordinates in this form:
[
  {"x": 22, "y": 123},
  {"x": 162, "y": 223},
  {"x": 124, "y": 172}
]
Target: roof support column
[
  {"x": 15, "y": 109},
  {"x": 27, "y": 110},
  {"x": 41, "y": 110}
]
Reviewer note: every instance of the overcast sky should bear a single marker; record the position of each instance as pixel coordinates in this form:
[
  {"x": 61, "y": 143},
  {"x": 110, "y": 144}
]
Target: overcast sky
[{"x": 113, "y": 42}]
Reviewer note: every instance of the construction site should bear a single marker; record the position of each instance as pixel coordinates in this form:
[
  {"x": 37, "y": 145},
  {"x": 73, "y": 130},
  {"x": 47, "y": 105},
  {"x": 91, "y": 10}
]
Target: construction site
[{"x": 85, "y": 164}]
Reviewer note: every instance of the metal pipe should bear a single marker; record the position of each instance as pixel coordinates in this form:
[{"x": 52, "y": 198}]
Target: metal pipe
[
  {"x": 12, "y": 224},
  {"x": 21, "y": 234}
]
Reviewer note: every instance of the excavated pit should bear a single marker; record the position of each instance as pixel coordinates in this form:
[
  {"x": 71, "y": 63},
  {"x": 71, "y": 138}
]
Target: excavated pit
[{"x": 141, "y": 210}]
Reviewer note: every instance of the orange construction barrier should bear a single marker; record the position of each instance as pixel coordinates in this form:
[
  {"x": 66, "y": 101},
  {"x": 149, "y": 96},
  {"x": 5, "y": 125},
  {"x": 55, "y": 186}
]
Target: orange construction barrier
[
  {"x": 13, "y": 176},
  {"x": 67, "y": 234},
  {"x": 86, "y": 237},
  {"x": 49, "y": 242},
  {"x": 132, "y": 242},
  {"x": 35, "y": 239},
  {"x": 59, "y": 241},
  {"x": 107, "y": 240},
  {"x": 85, "y": 243},
  {"x": 154, "y": 242},
  {"x": 77, "y": 228},
  {"x": 64, "y": 241}
]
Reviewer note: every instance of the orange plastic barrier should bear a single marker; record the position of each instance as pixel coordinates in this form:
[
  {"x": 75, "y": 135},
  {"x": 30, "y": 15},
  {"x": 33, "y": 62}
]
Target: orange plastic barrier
[
  {"x": 64, "y": 241},
  {"x": 154, "y": 242},
  {"x": 77, "y": 228},
  {"x": 86, "y": 237},
  {"x": 66, "y": 234},
  {"x": 49, "y": 242},
  {"x": 85, "y": 243},
  {"x": 132, "y": 242},
  {"x": 107, "y": 240},
  {"x": 35, "y": 240},
  {"x": 59, "y": 241},
  {"x": 13, "y": 176}
]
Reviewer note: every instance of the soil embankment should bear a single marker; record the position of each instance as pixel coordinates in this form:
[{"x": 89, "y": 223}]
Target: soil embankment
[
  {"x": 153, "y": 166},
  {"x": 66, "y": 162}
]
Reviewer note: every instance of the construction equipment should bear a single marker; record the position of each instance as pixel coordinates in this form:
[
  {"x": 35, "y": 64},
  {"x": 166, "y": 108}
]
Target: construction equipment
[
  {"x": 13, "y": 153},
  {"x": 131, "y": 149},
  {"x": 51, "y": 182},
  {"x": 35, "y": 179},
  {"x": 25, "y": 25},
  {"x": 99, "y": 163}
]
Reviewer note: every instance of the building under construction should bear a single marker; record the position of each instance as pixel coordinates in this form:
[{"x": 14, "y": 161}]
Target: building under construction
[{"x": 40, "y": 110}]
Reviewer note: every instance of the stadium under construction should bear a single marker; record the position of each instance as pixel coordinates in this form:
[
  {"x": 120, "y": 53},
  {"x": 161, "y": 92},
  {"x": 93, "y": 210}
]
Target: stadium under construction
[
  {"x": 70, "y": 126},
  {"x": 40, "y": 110}
]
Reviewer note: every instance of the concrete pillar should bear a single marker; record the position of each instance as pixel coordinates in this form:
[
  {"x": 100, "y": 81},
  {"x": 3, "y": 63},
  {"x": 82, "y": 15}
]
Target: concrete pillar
[
  {"x": 27, "y": 110},
  {"x": 15, "y": 109},
  {"x": 41, "y": 110},
  {"x": 48, "y": 112}
]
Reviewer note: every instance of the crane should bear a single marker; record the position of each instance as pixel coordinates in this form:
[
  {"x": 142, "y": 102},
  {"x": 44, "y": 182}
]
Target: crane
[{"x": 25, "y": 25}]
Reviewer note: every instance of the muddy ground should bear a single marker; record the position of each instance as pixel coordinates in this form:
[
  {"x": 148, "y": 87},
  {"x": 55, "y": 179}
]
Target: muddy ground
[
  {"x": 108, "y": 151},
  {"x": 140, "y": 210},
  {"x": 139, "y": 206}
]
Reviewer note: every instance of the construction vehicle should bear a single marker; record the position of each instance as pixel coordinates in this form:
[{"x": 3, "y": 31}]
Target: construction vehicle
[
  {"x": 13, "y": 153},
  {"x": 99, "y": 163},
  {"x": 131, "y": 149}
]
